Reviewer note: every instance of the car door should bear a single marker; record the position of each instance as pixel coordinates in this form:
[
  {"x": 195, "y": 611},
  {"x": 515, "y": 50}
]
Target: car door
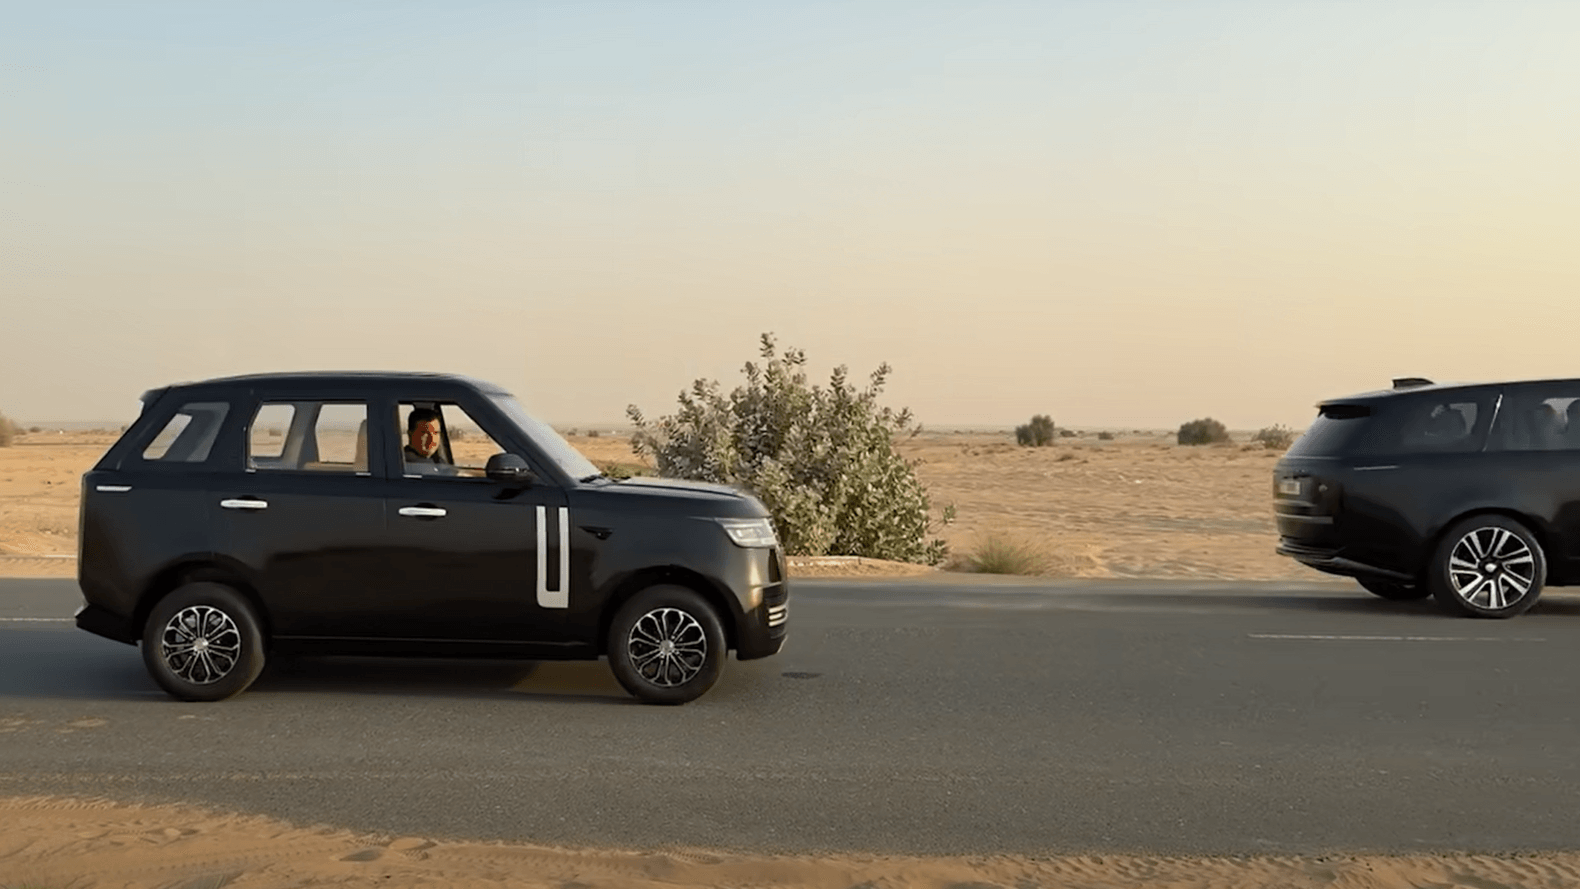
[
  {"x": 475, "y": 559},
  {"x": 303, "y": 515},
  {"x": 1535, "y": 452}
]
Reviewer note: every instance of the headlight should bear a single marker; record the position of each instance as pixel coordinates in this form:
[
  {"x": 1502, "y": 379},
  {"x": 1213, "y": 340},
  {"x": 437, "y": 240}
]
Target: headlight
[{"x": 749, "y": 532}]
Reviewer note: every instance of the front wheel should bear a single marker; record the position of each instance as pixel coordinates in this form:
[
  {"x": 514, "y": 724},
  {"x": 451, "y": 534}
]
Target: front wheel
[
  {"x": 666, "y": 645},
  {"x": 1397, "y": 592},
  {"x": 1488, "y": 566},
  {"x": 203, "y": 642}
]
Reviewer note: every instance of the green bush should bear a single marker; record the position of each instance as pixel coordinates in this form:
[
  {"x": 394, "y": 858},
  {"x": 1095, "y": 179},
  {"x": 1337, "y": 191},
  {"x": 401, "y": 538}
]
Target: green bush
[
  {"x": 821, "y": 459},
  {"x": 1203, "y": 431},
  {"x": 1036, "y": 434},
  {"x": 1275, "y": 438}
]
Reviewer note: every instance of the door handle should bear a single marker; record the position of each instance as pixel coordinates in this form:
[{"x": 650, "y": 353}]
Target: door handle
[
  {"x": 244, "y": 504},
  {"x": 423, "y": 512}
]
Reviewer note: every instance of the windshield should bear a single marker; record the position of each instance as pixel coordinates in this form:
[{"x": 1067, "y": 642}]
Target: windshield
[{"x": 569, "y": 460}]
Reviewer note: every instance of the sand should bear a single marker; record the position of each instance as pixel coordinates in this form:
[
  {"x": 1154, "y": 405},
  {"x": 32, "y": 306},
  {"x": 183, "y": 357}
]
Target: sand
[{"x": 49, "y": 842}]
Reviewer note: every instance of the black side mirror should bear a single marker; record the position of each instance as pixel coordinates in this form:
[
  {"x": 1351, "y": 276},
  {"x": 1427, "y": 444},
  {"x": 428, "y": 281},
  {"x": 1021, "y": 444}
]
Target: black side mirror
[{"x": 509, "y": 468}]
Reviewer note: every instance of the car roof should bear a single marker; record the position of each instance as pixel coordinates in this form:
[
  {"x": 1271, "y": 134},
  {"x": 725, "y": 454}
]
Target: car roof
[
  {"x": 344, "y": 378},
  {"x": 1411, "y": 386}
]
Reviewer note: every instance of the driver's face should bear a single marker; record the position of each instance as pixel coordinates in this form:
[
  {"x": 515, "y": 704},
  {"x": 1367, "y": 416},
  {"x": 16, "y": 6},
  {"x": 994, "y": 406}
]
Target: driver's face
[{"x": 425, "y": 438}]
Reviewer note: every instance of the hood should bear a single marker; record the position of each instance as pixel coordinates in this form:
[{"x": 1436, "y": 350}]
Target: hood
[
  {"x": 681, "y": 486},
  {"x": 677, "y": 496}
]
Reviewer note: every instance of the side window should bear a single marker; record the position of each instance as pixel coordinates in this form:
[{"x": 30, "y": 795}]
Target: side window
[
  {"x": 309, "y": 436},
  {"x": 1537, "y": 423},
  {"x": 189, "y": 436},
  {"x": 442, "y": 439},
  {"x": 1442, "y": 426},
  {"x": 266, "y": 436}
]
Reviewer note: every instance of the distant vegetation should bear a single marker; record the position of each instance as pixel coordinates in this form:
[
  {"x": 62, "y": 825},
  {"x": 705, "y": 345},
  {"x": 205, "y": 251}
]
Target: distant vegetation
[
  {"x": 8, "y": 431},
  {"x": 1036, "y": 434},
  {"x": 1276, "y": 437},
  {"x": 822, "y": 459},
  {"x": 1105, "y": 436},
  {"x": 1203, "y": 431}
]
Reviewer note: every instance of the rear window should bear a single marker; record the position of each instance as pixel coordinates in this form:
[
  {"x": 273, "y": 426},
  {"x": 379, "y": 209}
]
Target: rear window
[{"x": 1338, "y": 429}]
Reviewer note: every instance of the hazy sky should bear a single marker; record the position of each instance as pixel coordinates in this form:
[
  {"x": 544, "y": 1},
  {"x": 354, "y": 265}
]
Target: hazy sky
[{"x": 1116, "y": 213}]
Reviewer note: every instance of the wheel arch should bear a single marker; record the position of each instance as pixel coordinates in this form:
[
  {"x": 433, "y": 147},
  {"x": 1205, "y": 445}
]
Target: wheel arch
[
  {"x": 175, "y": 576},
  {"x": 678, "y": 576}
]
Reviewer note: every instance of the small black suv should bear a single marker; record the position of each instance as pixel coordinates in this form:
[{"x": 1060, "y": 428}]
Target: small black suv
[
  {"x": 1467, "y": 493},
  {"x": 408, "y": 514}
]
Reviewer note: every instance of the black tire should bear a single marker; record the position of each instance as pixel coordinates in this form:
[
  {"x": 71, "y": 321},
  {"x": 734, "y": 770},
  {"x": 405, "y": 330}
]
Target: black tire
[
  {"x": 1392, "y": 590},
  {"x": 229, "y": 656},
  {"x": 685, "y": 619},
  {"x": 1504, "y": 580}
]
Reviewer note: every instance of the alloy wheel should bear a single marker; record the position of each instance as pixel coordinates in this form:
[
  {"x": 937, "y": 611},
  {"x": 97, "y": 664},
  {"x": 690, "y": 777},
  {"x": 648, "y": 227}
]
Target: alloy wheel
[
  {"x": 667, "y": 646},
  {"x": 1492, "y": 568},
  {"x": 200, "y": 644}
]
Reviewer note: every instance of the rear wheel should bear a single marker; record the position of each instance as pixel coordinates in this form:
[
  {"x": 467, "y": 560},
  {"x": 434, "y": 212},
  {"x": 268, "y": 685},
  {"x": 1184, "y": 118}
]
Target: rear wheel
[
  {"x": 1398, "y": 592},
  {"x": 203, "y": 642},
  {"x": 1488, "y": 566},
  {"x": 666, "y": 645}
]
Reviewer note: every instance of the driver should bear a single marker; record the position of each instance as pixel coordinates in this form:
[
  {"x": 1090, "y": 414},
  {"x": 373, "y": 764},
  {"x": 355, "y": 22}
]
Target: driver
[{"x": 422, "y": 437}]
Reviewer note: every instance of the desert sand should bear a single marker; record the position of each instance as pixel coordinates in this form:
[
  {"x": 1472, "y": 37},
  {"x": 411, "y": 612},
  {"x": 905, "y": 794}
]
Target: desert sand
[{"x": 54, "y": 842}]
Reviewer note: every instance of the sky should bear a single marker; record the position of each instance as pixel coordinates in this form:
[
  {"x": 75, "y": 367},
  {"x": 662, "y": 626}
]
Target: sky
[{"x": 1119, "y": 214}]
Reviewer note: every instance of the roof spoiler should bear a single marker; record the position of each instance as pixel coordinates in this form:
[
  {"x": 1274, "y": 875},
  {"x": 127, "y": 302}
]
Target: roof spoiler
[{"x": 1410, "y": 382}]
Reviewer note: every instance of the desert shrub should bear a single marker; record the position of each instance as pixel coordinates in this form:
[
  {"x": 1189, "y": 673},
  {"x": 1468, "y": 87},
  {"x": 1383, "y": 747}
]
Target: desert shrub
[
  {"x": 1068, "y": 433},
  {"x": 8, "y": 431},
  {"x": 617, "y": 470},
  {"x": 35, "y": 429},
  {"x": 1203, "y": 431},
  {"x": 821, "y": 459},
  {"x": 1105, "y": 436},
  {"x": 457, "y": 434},
  {"x": 592, "y": 433},
  {"x": 1036, "y": 434},
  {"x": 998, "y": 553},
  {"x": 1275, "y": 438}
]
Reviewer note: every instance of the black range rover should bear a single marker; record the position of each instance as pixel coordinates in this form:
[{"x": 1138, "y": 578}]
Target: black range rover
[
  {"x": 408, "y": 514},
  {"x": 1467, "y": 493}
]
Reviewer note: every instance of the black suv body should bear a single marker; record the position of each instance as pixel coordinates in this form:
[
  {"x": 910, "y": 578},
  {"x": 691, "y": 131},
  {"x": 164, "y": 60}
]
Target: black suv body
[
  {"x": 1468, "y": 493},
  {"x": 248, "y": 515}
]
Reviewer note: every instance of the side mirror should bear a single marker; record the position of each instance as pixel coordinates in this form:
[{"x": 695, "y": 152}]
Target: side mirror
[{"x": 509, "y": 468}]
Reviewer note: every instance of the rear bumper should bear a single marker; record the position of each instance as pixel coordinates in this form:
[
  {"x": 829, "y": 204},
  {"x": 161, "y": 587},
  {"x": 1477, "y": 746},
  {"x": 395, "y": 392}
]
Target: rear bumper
[
  {"x": 1332, "y": 562},
  {"x": 101, "y": 622}
]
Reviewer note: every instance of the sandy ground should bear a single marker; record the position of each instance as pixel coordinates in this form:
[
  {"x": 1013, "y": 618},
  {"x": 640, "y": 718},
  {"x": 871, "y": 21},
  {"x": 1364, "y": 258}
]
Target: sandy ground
[
  {"x": 54, "y": 842},
  {"x": 1137, "y": 506}
]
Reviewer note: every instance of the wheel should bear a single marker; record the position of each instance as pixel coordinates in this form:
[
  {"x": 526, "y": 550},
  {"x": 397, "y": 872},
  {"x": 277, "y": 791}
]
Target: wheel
[
  {"x": 1488, "y": 566},
  {"x": 203, "y": 642},
  {"x": 666, "y": 645},
  {"x": 1398, "y": 592}
]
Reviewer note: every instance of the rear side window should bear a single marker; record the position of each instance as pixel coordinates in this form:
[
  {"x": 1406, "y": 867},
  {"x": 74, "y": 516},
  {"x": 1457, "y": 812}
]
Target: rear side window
[
  {"x": 188, "y": 437},
  {"x": 309, "y": 436},
  {"x": 1449, "y": 422}
]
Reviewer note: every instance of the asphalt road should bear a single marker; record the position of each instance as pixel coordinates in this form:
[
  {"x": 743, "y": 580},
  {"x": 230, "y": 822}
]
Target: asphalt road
[{"x": 903, "y": 716}]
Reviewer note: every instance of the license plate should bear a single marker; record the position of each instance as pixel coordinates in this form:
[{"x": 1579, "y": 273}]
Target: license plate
[{"x": 1289, "y": 487}]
